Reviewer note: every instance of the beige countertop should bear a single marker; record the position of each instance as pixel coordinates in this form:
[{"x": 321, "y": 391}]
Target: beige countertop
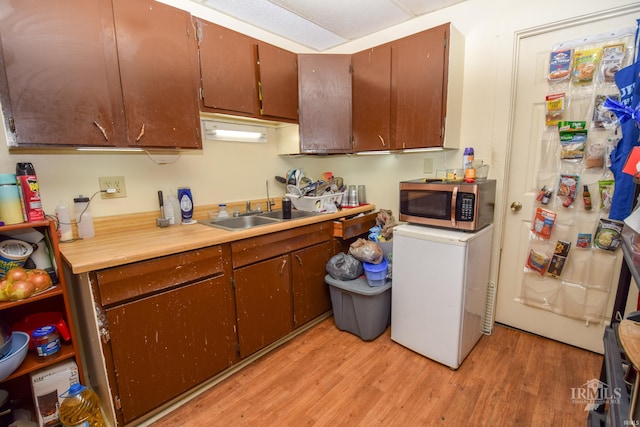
[{"x": 118, "y": 248}]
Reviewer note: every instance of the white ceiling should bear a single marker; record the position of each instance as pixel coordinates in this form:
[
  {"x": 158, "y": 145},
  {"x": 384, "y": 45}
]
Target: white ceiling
[{"x": 323, "y": 24}]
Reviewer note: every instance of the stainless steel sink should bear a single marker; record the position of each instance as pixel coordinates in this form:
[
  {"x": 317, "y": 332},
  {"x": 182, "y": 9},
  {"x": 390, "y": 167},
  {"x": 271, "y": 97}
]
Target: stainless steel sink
[
  {"x": 294, "y": 215},
  {"x": 244, "y": 222},
  {"x": 241, "y": 222}
]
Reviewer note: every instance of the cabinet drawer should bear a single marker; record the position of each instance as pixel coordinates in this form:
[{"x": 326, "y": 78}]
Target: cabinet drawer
[
  {"x": 249, "y": 251},
  {"x": 134, "y": 280},
  {"x": 347, "y": 228}
]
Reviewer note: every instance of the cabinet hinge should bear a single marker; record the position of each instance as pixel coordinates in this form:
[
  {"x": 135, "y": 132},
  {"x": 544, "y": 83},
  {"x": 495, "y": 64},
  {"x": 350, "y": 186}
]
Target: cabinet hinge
[
  {"x": 233, "y": 283},
  {"x": 238, "y": 348},
  {"x": 441, "y": 132},
  {"x": 201, "y": 93},
  {"x": 446, "y": 42},
  {"x": 12, "y": 125},
  {"x": 117, "y": 404},
  {"x": 350, "y": 68}
]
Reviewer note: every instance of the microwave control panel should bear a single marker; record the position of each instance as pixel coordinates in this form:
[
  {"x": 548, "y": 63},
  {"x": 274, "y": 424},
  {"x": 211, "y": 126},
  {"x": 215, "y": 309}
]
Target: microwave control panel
[{"x": 466, "y": 203}]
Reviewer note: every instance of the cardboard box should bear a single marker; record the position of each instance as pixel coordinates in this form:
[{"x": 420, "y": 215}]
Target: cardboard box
[{"x": 47, "y": 385}]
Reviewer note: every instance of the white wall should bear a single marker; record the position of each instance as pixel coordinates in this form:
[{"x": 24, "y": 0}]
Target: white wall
[{"x": 237, "y": 171}]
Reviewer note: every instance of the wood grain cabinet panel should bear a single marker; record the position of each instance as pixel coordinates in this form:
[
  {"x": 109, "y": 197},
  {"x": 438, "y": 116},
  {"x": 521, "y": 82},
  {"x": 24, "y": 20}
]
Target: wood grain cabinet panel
[
  {"x": 278, "y": 69},
  {"x": 310, "y": 292},
  {"x": 101, "y": 73}
]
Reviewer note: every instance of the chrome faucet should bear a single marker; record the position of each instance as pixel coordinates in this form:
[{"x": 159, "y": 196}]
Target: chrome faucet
[
  {"x": 269, "y": 202},
  {"x": 250, "y": 211}
]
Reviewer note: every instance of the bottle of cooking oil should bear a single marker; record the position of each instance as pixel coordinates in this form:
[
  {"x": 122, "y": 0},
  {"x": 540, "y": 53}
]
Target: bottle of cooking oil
[{"x": 81, "y": 408}]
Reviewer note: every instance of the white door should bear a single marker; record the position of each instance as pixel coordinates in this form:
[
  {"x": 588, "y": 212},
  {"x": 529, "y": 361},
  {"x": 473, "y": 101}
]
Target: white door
[{"x": 525, "y": 160}]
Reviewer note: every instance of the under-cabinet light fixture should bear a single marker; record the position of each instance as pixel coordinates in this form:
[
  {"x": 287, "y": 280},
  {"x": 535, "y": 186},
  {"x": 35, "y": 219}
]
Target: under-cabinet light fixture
[
  {"x": 110, "y": 149},
  {"x": 372, "y": 153},
  {"x": 214, "y": 130}
]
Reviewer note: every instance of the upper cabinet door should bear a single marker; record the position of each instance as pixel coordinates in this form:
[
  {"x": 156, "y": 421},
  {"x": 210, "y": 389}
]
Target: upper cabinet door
[
  {"x": 324, "y": 83},
  {"x": 372, "y": 99},
  {"x": 59, "y": 82},
  {"x": 278, "y": 85},
  {"x": 228, "y": 68},
  {"x": 157, "y": 52},
  {"x": 418, "y": 87}
]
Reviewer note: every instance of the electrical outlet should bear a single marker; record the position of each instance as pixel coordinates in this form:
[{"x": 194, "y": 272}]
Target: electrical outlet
[{"x": 115, "y": 182}]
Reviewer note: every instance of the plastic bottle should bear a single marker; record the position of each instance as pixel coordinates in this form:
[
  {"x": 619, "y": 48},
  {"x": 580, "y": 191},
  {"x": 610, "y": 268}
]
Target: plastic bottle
[
  {"x": 29, "y": 192},
  {"x": 172, "y": 209},
  {"x": 81, "y": 407},
  {"x": 10, "y": 206},
  {"x": 186, "y": 204},
  {"x": 84, "y": 219},
  {"x": 64, "y": 221},
  {"x": 467, "y": 164},
  {"x": 222, "y": 211}
]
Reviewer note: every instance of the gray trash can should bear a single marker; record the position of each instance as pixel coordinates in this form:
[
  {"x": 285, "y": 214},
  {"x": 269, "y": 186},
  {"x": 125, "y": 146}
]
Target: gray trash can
[{"x": 358, "y": 308}]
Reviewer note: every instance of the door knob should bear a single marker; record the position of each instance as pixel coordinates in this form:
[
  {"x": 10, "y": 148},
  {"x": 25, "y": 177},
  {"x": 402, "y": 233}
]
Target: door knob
[{"x": 516, "y": 206}]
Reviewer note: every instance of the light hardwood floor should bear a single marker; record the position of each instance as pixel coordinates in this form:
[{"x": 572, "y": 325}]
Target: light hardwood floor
[{"x": 326, "y": 377}]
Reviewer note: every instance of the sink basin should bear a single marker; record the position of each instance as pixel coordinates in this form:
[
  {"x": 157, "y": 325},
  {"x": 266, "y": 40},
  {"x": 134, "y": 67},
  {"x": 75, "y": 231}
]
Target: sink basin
[
  {"x": 294, "y": 214},
  {"x": 241, "y": 222}
]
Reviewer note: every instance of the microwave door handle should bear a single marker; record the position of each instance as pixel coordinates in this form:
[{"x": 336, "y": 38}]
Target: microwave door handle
[{"x": 454, "y": 197}]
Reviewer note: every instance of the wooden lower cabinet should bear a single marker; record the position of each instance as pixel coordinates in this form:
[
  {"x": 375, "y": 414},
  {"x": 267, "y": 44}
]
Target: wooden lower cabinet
[
  {"x": 311, "y": 296},
  {"x": 263, "y": 297},
  {"x": 166, "y": 344}
]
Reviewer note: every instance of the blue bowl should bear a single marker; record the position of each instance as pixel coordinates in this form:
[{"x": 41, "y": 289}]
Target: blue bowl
[{"x": 15, "y": 357}]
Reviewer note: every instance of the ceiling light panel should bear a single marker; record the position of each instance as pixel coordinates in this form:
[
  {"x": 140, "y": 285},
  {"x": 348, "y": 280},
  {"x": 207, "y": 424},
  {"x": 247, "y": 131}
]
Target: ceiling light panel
[
  {"x": 420, "y": 7},
  {"x": 349, "y": 19},
  {"x": 270, "y": 17}
]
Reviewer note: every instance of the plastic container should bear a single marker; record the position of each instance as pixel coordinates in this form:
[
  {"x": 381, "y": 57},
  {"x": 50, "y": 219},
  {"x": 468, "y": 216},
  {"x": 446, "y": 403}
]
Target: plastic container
[
  {"x": 10, "y": 208},
  {"x": 46, "y": 343},
  {"x": 84, "y": 219},
  {"x": 81, "y": 407},
  {"x": 222, "y": 211},
  {"x": 13, "y": 254},
  {"x": 172, "y": 209},
  {"x": 358, "y": 308},
  {"x": 64, "y": 221},
  {"x": 376, "y": 273}
]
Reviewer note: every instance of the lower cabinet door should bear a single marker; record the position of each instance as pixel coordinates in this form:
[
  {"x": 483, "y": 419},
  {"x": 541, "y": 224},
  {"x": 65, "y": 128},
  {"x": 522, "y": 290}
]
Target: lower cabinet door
[
  {"x": 263, "y": 300},
  {"x": 167, "y": 343},
  {"x": 310, "y": 292}
]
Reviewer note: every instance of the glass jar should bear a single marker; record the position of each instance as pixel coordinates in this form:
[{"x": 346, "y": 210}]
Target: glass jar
[{"x": 46, "y": 342}]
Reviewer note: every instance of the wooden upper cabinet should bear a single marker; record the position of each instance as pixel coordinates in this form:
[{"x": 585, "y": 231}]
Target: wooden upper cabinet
[
  {"x": 228, "y": 70},
  {"x": 372, "y": 99},
  {"x": 157, "y": 52},
  {"x": 99, "y": 73},
  {"x": 420, "y": 89},
  {"x": 60, "y": 83},
  {"x": 324, "y": 83},
  {"x": 278, "y": 87}
]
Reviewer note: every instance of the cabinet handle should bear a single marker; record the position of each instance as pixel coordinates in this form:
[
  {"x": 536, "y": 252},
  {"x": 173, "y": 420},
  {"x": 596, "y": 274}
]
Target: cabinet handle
[
  {"x": 141, "y": 134},
  {"x": 284, "y": 263},
  {"x": 104, "y": 132},
  {"x": 299, "y": 260},
  {"x": 382, "y": 140}
]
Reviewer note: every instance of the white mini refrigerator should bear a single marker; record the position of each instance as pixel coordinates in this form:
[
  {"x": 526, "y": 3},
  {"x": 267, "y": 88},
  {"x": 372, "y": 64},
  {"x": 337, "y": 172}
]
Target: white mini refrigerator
[{"x": 440, "y": 280}]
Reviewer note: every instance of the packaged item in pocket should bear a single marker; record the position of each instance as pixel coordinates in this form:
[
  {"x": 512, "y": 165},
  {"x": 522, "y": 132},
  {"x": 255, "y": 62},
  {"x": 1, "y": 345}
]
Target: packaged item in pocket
[
  {"x": 585, "y": 64},
  {"x": 559, "y": 65},
  {"x": 612, "y": 57},
  {"x": 605, "y": 189},
  {"x": 609, "y": 234},
  {"x": 603, "y": 116},
  {"x": 584, "y": 240},
  {"x": 543, "y": 222},
  {"x": 554, "y": 106},
  {"x": 573, "y": 136},
  {"x": 537, "y": 261},
  {"x": 559, "y": 258}
]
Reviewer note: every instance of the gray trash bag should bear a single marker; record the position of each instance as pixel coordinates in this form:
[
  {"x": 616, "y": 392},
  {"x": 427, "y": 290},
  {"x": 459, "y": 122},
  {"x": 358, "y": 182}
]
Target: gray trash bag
[{"x": 344, "y": 267}]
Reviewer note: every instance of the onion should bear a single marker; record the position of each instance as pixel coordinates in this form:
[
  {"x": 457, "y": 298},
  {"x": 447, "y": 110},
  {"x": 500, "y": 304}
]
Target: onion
[
  {"x": 40, "y": 279},
  {"x": 20, "y": 289},
  {"x": 16, "y": 274}
]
